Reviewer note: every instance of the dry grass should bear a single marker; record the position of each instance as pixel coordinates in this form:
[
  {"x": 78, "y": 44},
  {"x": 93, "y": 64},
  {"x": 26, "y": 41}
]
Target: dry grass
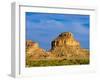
[{"x": 55, "y": 62}]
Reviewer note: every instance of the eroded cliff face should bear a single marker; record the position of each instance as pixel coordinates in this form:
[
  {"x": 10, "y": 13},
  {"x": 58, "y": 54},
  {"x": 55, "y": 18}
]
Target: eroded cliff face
[
  {"x": 64, "y": 46},
  {"x": 33, "y": 51},
  {"x": 64, "y": 40}
]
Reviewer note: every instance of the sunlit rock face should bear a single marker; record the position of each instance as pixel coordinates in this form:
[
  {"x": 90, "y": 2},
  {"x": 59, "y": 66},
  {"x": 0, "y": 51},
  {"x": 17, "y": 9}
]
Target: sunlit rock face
[
  {"x": 65, "y": 39},
  {"x": 64, "y": 46},
  {"x": 34, "y": 51},
  {"x": 31, "y": 46},
  {"x": 29, "y": 43}
]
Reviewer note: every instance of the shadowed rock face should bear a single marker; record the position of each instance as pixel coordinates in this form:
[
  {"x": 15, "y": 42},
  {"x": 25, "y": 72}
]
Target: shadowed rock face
[{"x": 64, "y": 46}]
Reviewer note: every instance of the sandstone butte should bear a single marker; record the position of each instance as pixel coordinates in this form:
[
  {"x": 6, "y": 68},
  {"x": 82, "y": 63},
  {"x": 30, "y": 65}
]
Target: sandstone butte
[{"x": 64, "y": 46}]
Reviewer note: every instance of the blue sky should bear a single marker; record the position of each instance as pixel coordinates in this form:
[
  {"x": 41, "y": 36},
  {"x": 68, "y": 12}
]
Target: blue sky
[{"x": 45, "y": 27}]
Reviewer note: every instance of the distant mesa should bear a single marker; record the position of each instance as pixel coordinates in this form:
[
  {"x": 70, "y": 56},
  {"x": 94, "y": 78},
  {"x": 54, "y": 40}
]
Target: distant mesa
[
  {"x": 29, "y": 43},
  {"x": 33, "y": 50},
  {"x": 64, "y": 46}
]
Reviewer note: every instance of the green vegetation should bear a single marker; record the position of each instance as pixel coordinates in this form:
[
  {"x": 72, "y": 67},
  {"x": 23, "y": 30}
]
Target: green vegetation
[{"x": 56, "y": 62}]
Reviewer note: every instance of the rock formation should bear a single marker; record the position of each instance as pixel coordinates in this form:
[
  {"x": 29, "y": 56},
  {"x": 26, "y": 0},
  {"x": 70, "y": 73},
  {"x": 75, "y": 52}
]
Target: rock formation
[
  {"x": 33, "y": 51},
  {"x": 64, "y": 46},
  {"x": 65, "y": 39},
  {"x": 67, "y": 47}
]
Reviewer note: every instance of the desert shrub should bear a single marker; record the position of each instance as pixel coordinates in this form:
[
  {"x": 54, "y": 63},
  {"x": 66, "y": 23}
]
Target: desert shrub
[{"x": 56, "y": 62}]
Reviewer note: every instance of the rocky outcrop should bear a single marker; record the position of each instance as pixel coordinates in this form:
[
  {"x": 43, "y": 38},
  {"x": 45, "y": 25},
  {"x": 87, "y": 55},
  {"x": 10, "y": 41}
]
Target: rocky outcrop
[
  {"x": 31, "y": 46},
  {"x": 29, "y": 43},
  {"x": 64, "y": 46},
  {"x": 65, "y": 39},
  {"x": 33, "y": 51}
]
